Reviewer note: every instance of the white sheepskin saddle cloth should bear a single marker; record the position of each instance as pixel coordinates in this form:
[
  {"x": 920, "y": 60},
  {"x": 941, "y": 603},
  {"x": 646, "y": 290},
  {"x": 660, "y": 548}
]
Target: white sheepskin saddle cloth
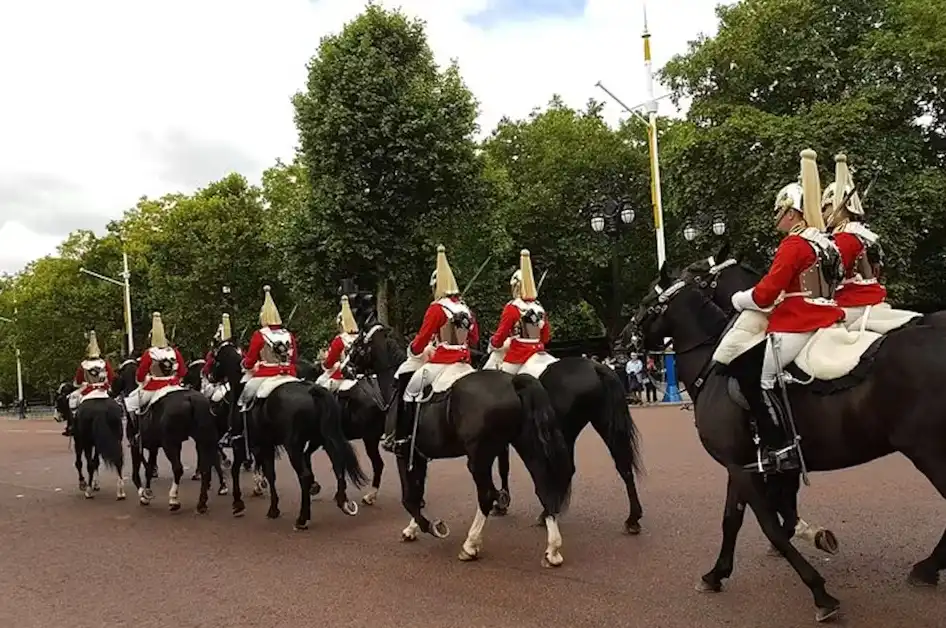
[
  {"x": 270, "y": 384},
  {"x": 831, "y": 353}
]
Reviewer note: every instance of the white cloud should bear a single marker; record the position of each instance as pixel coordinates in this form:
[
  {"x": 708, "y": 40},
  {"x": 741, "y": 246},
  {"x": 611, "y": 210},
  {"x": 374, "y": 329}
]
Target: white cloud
[{"x": 111, "y": 99}]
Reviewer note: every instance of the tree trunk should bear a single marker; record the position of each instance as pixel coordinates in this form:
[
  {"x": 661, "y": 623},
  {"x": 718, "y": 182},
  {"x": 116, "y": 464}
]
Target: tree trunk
[{"x": 381, "y": 298}]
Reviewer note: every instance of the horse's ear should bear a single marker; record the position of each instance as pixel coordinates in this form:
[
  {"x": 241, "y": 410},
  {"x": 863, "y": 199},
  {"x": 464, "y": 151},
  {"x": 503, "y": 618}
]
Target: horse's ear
[
  {"x": 664, "y": 273},
  {"x": 723, "y": 253}
]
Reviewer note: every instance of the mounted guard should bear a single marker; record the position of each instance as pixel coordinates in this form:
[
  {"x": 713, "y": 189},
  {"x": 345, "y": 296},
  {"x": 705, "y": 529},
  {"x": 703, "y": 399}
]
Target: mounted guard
[
  {"x": 441, "y": 349},
  {"x": 160, "y": 370},
  {"x": 333, "y": 365},
  {"x": 215, "y": 391},
  {"x": 524, "y": 330},
  {"x": 92, "y": 380},
  {"x": 272, "y": 354},
  {"x": 860, "y": 295},
  {"x": 798, "y": 295}
]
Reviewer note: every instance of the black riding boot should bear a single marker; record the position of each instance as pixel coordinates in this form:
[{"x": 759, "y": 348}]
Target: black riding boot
[
  {"x": 393, "y": 418},
  {"x": 68, "y": 429},
  {"x": 776, "y": 450}
]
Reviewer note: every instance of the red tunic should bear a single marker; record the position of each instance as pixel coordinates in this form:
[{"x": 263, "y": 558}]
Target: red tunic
[
  {"x": 208, "y": 363},
  {"x": 434, "y": 318},
  {"x": 144, "y": 366},
  {"x": 519, "y": 352},
  {"x": 252, "y": 357},
  {"x": 335, "y": 351},
  {"x": 86, "y": 387},
  {"x": 794, "y": 313},
  {"x": 854, "y": 294}
]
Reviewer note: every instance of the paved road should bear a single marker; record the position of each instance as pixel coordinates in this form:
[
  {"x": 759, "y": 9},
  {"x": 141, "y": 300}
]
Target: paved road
[{"x": 65, "y": 561}]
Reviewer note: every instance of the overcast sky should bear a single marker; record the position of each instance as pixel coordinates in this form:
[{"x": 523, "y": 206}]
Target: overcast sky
[{"x": 104, "y": 101}]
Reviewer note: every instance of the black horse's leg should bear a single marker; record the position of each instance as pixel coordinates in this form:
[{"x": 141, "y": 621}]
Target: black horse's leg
[
  {"x": 481, "y": 468},
  {"x": 623, "y": 461},
  {"x": 136, "y": 463},
  {"x": 733, "y": 515},
  {"x": 297, "y": 458},
  {"x": 173, "y": 452},
  {"x": 751, "y": 487},
  {"x": 267, "y": 459},
  {"x": 503, "y": 497},
  {"x": 151, "y": 462},
  {"x": 926, "y": 572},
  {"x": 92, "y": 457},
  {"x": 372, "y": 444},
  {"x": 239, "y": 457},
  {"x": 412, "y": 495},
  {"x": 79, "y": 449}
]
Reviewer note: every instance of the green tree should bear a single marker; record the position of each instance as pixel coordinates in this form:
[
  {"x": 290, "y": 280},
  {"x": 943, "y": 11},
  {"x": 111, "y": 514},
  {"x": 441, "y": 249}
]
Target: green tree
[
  {"x": 387, "y": 140},
  {"x": 556, "y": 162},
  {"x": 856, "y": 76}
]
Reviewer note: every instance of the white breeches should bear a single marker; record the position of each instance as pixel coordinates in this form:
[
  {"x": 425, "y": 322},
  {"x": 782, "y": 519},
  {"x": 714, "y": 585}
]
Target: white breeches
[
  {"x": 509, "y": 367},
  {"x": 789, "y": 345},
  {"x": 138, "y": 399},
  {"x": 495, "y": 361},
  {"x": 422, "y": 377},
  {"x": 250, "y": 388}
]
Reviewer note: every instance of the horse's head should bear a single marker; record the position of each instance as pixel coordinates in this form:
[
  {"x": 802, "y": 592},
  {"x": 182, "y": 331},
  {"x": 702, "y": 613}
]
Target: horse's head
[
  {"x": 308, "y": 371},
  {"x": 192, "y": 379},
  {"x": 678, "y": 308},
  {"x": 374, "y": 351},
  {"x": 125, "y": 382},
  {"x": 226, "y": 366},
  {"x": 720, "y": 276}
]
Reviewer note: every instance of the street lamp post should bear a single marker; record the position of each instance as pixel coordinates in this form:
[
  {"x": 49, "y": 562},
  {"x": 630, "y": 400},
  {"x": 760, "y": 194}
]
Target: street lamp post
[
  {"x": 610, "y": 216},
  {"x": 125, "y": 284},
  {"x": 19, "y": 366},
  {"x": 692, "y": 229}
]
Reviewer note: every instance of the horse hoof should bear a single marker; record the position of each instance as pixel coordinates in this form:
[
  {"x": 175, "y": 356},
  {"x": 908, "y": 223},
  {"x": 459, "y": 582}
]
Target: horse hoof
[
  {"x": 827, "y": 614},
  {"x": 223, "y": 490},
  {"x": 273, "y": 513},
  {"x": 439, "y": 529},
  {"x": 257, "y": 492},
  {"x": 201, "y": 509},
  {"x": 174, "y": 507},
  {"x": 503, "y": 500},
  {"x": 708, "y": 587},
  {"x": 921, "y": 580},
  {"x": 82, "y": 485},
  {"x": 120, "y": 498},
  {"x": 96, "y": 487},
  {"x": 350, "y": 508},
  {"x": 407, "y": 538},
  {"x": 300, "y": 527},
  {"x": 370, "y": 498},
  {"x": 466, "y": 556},
  {"x": 826, "y": 541},
  {"x": 195, "y": 477},
  {"x": 89, "y": 494},
  {"x": 239, "y": 511},
  {"x": 551, "y": 560},
  {"x": 498, "y": 512},
  {"x": 144, "y": 501},
  {"x": 632, "y": 527}
]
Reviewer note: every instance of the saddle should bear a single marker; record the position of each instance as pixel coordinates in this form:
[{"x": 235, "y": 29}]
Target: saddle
[{"x": 835, "y": 358}]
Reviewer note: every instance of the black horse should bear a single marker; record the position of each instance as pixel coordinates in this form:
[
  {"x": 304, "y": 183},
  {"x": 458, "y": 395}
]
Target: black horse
[
  {"x": 61, "y": 405},
  {"x": 481, "y": 414},
  {"x": 167, "y": 423},
  {"x": 583, "y": 391},
  {"x": 193, "y": 381},
  {"x": 299, "y": 417},
  {"x": 97, "y": 433},
  {"x": 872, "y": 412}
]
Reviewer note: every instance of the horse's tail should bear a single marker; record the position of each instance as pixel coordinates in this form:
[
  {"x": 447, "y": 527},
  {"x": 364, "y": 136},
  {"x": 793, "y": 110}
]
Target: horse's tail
[
  {"x": 621, "y": 431},
  {"x": 107, "y": 434},
  {"x": 544, "y": 443},
  {"x": 342, "y": 454}
]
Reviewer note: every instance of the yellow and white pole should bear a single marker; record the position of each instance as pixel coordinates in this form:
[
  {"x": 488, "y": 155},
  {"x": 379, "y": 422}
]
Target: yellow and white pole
[{"x": 651, "y": 105}]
